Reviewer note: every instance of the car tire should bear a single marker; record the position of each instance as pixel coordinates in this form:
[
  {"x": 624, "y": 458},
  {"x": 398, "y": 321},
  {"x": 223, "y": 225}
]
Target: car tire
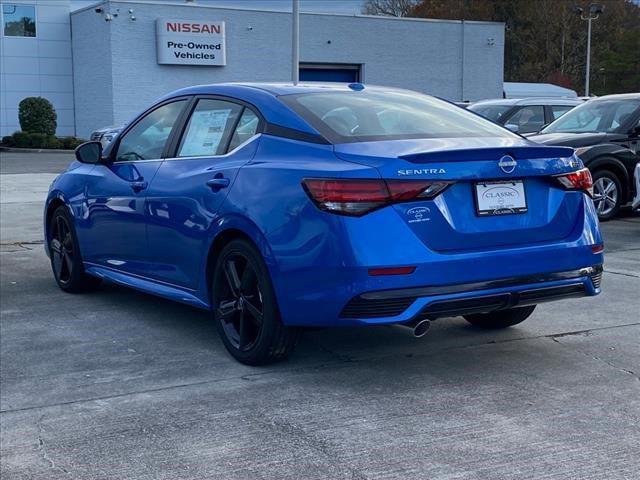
[
  {"x": 245, "y": 308},
  {"x": 500, "y": 318},
  {"x": 609, "y": 206},
  {"x": 64, "y": 253}
]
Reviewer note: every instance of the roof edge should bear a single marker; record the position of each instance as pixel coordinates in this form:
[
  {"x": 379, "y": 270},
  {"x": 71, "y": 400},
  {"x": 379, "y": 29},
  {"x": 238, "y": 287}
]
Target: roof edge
[{"x": 302, "y": 13}]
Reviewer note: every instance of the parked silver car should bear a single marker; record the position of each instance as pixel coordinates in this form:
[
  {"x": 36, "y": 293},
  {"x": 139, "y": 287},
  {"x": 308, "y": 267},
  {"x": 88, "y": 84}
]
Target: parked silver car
[
  {"x": 106, "y": 134},
  {"x": 524, "y": 115}
]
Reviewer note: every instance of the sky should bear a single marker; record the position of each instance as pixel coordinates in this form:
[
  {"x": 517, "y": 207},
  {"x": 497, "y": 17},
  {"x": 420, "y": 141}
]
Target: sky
[{"x": 324, "y": 6}]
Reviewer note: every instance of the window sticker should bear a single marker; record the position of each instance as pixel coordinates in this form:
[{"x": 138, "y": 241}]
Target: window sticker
[{"x": 205, "y": 132}]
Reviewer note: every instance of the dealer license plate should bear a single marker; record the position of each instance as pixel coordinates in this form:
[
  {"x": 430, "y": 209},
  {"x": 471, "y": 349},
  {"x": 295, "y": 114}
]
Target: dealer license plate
[{"x": 500, "y": 198}]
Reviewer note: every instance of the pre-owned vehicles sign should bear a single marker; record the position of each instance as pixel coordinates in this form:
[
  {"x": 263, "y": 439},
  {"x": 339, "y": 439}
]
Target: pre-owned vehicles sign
[{"x": 190, "y": 42}]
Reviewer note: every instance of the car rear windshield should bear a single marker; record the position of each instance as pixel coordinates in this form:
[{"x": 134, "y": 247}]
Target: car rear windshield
[{"x": 362, "y": 116}]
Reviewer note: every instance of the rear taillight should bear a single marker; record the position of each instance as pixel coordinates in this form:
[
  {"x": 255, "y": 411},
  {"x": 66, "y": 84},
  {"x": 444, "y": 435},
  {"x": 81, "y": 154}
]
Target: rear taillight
[
  {"x": 356, "y": 197},
  {"x": 578, "y": 180}
]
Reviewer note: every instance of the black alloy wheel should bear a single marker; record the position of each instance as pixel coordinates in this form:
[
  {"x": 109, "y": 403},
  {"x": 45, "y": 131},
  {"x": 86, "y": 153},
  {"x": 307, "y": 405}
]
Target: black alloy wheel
[
  {"x": 240, "y": 303},
  {"x": 245, "y": 307},
  {"x": 64, "y": 251}
]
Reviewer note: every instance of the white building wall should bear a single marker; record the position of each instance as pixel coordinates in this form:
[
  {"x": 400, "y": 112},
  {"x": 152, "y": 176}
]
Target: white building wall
[
  {"x": 38, "y": 67},
  {"x": 424, "y": 55},
  {"x": 93, "y": 71}
]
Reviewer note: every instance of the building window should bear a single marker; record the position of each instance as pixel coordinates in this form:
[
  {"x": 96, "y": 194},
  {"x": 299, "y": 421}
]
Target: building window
[{"x": 18, "y": 20}]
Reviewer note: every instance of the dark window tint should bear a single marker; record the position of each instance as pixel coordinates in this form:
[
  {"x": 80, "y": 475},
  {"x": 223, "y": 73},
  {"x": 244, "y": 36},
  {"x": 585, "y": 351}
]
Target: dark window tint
[
  {"x": 247, "y": 128},
  {"x": 528, "y": 119},
  {"x": 387, "y": 115},
  {"x": 147, "y": 138},
  {"x": 19, "y": 20},
  {"x": 558, "y": 110},
  {"x": 209, "y": 128}
]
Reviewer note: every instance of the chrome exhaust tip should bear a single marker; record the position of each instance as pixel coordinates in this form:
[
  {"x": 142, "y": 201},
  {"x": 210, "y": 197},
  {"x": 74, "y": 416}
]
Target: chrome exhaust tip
[
  {"x": 421, "y": 328},
  {"x": 418, "y": 327}
]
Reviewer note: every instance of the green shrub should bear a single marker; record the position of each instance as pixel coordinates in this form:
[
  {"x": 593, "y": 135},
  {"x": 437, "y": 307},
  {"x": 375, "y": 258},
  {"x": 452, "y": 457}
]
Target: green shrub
[
  {"x": 37, "y": 115},
  {"x": 22, "y": 139},
  {"x": 70, "y": 143},
  {"x": 53, "y": 142},
  {"x": 40, "y": 140}
]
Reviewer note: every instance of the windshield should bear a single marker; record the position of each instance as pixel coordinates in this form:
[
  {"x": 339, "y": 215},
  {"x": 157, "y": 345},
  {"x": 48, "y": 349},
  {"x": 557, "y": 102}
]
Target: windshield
[
  {"x": 344, "y": 117},
  {"x": 492, "y": 112},
  {"x": 604, "y": 116}
]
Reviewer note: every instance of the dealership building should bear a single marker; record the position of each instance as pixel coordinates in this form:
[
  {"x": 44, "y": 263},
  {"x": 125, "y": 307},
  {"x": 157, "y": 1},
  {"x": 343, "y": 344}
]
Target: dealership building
[{"x": 102, "y": 64}]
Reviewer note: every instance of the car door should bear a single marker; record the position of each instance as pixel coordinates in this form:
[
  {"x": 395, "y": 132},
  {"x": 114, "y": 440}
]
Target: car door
[
  {"x": 219, "y": 137},
  {"x": 115, "y": 235}
]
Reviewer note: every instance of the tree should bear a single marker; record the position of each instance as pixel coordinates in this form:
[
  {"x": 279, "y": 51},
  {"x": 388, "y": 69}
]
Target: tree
[
  {"x": 37, "y": 115},
  {"x": 389, "y": 8},
  {"x": 545, "y": 40}
]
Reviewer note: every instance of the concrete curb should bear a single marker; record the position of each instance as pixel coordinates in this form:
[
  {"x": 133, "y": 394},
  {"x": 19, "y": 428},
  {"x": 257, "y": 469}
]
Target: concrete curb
[{"x": 34, "y": 150}]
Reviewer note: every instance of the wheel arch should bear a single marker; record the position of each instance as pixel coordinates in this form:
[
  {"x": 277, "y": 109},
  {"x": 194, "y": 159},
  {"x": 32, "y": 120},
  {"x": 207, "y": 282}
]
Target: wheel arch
[
  {"x": 56, "y": 200},
  {"x": 229, "y": 229}
]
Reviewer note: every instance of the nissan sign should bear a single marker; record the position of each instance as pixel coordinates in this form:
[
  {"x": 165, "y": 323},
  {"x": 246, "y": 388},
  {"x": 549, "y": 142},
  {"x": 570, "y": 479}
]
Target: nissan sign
[{"x": 190, "y": 42}]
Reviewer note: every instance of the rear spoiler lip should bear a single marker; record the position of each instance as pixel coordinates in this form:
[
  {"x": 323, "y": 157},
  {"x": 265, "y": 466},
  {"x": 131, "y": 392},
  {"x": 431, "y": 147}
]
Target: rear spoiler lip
[{"x": 488, "y": 154}]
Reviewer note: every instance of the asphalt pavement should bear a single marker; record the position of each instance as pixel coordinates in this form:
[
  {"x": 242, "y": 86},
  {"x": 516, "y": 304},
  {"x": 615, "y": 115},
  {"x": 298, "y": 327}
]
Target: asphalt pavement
[{"x": 117, "y": 384}]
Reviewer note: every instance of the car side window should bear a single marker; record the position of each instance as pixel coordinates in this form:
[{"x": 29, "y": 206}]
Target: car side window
[
  {"x": 528, "y": 119},
  {"x": 622, "y": 115},
  {"x": 147, "y": 138},
  {"x": 247, "y": 128},
  {"x": 558, "y": 110},
  {"x": 209, "y": 128}
]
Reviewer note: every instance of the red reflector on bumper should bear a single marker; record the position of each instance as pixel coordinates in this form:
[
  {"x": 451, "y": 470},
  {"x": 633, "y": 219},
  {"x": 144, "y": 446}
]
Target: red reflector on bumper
[
  {"x": 391, "y": 271},
  {"x": 597, "y": 248}
]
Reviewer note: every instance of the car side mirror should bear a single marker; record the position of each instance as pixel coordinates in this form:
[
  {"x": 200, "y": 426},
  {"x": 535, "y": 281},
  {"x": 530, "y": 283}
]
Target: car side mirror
[
  {"x": 89, "y": 152},
  {"x": 513, "y": 127}
]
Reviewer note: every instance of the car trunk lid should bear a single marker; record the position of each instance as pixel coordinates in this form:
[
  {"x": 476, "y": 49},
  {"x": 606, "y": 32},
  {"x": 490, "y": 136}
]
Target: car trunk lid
[{"x": 467, "y": 215}]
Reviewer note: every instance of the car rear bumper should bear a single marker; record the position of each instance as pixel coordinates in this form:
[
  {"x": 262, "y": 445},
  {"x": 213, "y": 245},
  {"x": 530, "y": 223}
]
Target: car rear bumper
[
  {"x": 397, "y": 306},
  {"x": 404, "y": 305},
  {"x": 331, "y": 284}
]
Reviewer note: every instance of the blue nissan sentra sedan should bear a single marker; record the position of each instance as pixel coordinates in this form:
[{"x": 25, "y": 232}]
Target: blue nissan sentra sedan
[{"x": 278, "y": 207}]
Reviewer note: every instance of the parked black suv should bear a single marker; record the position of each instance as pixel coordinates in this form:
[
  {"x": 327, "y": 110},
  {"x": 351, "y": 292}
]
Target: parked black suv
[{"x": 606, "y": 135}]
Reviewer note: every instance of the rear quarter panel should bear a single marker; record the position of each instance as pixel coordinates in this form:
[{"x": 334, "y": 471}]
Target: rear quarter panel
[{"x": 294, "y": 236}]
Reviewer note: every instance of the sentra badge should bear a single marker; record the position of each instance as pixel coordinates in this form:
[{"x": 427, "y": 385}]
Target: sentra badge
[{"x": 422, "y": 171}]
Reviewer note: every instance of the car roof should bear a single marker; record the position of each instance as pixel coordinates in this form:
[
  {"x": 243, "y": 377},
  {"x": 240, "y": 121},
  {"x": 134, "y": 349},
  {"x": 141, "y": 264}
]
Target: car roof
[
  {"x": 264, "y": 96},
  {"x": 530, "y": 101},
  {"x": 284, "y": 88},
  {"x": 618, "y": 96}
]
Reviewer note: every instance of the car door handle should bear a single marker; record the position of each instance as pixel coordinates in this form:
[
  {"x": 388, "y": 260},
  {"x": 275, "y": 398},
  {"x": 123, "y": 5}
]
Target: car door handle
[
  {"x": 217, "y": 183},
  {"x": 139, "y": 185}
]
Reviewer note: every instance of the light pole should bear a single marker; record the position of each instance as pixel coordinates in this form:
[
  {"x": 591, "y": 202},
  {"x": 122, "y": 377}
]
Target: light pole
[
  {"x": 295, "y": 41},
  {"x": 595, "y": 9}
]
